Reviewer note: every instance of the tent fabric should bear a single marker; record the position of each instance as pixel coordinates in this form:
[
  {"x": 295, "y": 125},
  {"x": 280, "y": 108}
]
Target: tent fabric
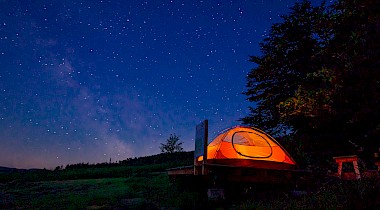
[{"x": 247, "y": 146}]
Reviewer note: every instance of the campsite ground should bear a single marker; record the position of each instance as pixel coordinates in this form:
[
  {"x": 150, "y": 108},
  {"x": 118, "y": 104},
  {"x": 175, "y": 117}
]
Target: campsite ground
[
  {"x": 147, "y": 191},
  {"x": 155, "y": 191},
  {"x": 108, "y": 193},
  {"x": 139, "y": 183},
  {"x": 147, "y": 186}
]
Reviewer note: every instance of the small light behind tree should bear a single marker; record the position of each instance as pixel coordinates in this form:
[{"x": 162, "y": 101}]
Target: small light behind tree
[{"x": 171, "y": 145}]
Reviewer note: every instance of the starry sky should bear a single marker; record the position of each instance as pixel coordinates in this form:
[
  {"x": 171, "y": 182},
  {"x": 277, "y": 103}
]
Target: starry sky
[{"x": 86, "y": 81}]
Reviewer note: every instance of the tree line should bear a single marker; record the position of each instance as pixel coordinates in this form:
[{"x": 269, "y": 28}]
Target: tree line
[{"x": 175, "y": 159}]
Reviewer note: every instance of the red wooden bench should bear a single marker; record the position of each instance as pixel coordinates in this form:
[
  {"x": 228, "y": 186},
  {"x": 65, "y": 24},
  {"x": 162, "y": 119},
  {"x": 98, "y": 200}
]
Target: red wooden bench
[{"x": 347, "y": 159}]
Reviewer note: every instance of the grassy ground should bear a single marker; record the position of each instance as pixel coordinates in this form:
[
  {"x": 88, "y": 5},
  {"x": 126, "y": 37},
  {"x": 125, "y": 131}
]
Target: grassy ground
[
  {"x": 71, "y": 194},
  {"x": 148, "y": 186},
  {"x": 144, "y": 192},
  {"x": 155, "y": 191},
  {"x": 134, "y": 184}
]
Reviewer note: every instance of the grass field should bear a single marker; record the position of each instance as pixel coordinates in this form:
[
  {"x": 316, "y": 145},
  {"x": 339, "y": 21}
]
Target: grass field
[
  {"x": 138, "y": 184},
  {"x": 144, "y": 192},
  {"x": 155, "y": 191}
]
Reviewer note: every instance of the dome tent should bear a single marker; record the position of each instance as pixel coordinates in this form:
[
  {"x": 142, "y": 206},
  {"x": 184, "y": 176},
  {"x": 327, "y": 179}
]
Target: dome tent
[{"x": 247, "y": 147}]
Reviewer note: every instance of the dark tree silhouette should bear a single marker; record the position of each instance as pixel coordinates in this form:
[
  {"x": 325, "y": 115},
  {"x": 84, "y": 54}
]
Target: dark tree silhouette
[
  {"x": 318, "y": 77},
  {"x": 171, "y": 145}
]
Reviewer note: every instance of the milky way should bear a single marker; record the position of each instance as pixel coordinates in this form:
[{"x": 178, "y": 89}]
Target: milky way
[{"x": 86, "y": 81}]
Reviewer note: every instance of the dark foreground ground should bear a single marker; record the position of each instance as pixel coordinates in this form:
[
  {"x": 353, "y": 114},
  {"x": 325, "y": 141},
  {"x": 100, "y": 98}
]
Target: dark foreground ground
[
  {"x": 145, "y": 185},
  {"x": 156, "y": 191}
]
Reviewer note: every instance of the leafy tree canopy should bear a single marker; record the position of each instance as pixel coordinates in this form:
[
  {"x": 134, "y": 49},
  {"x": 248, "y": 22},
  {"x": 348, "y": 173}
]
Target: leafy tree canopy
[{"x": 318, "y": 76}]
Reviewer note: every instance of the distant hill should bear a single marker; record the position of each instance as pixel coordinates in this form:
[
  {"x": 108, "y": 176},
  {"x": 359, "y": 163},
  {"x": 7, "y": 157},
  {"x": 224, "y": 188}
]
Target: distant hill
[
  {"x": 6, "y": 169},
  {"x": 139, "y": 166}
]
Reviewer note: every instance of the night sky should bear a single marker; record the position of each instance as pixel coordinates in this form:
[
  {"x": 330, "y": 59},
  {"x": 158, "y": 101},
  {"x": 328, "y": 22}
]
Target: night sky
[{"x": 86, "y": 81}]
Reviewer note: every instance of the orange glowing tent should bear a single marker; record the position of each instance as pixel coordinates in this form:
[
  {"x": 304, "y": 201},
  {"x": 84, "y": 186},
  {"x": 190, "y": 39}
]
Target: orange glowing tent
[{"x": 247, "y": 147}]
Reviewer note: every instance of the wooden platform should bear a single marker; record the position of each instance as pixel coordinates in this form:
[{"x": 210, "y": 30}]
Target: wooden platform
[
  {"x": 184, "y": 170},
  {"x": 223, "y": 173}
]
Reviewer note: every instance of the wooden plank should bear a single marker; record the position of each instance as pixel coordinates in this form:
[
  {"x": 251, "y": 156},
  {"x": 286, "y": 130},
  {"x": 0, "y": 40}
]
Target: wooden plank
[
  {"x": 181, "y": 170},
  {"x": 201, "y": 142},
  {"x": 342, "y": 159},
  {"x": 241, "y": 174},
  {"x": 251, "y": 175}
]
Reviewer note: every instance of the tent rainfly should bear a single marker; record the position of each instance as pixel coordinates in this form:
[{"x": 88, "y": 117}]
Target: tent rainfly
[{"x": 243, "y": 146}]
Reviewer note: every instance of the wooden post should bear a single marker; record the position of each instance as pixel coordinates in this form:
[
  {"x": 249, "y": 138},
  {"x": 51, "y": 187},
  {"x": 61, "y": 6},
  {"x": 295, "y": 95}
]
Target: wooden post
[
  {"x": 205, "y": 144},
  {"x": 201, "y": 141},
  {"x": 340, "y": 166},
  {"x": 356, "y": 168}
]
